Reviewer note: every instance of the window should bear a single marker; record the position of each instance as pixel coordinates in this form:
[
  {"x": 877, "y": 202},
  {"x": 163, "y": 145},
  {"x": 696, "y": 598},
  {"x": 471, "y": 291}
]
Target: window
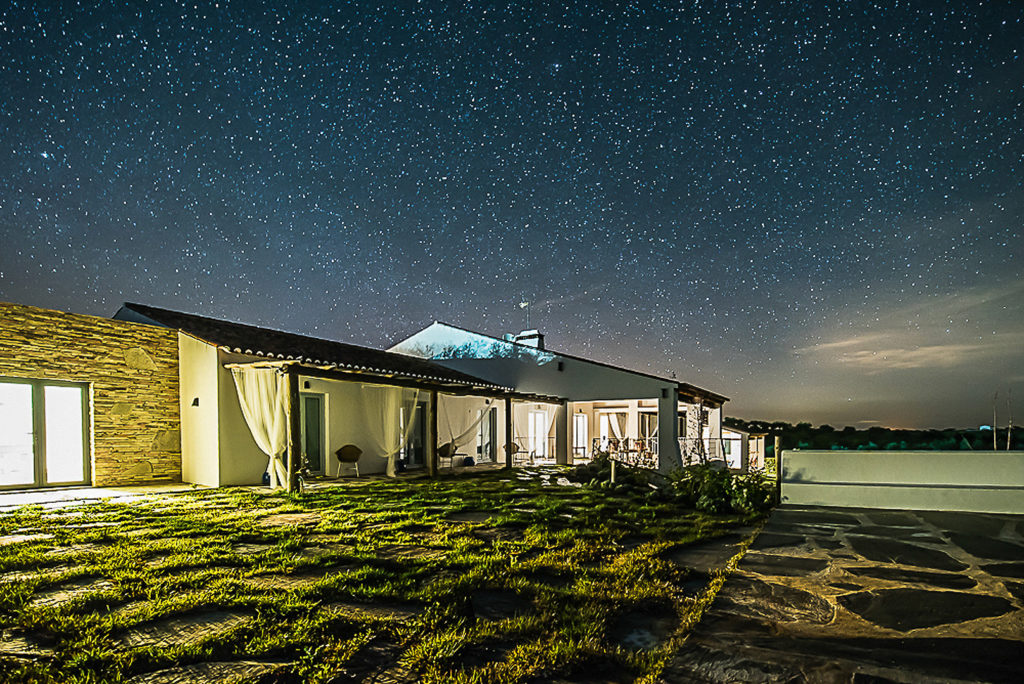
[
  {"x": 538, "y": 433},
  {"x": 44, "y": 440},
  {"x": 648, "y": 425},
  {"x": 579, "y": 434}
]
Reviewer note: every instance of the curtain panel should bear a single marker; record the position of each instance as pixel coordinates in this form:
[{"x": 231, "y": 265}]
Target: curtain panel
[
  {"x": 462, "y": 418},
  {"x": 383, "y": 407},
  {"x": 261, "y": 394}
]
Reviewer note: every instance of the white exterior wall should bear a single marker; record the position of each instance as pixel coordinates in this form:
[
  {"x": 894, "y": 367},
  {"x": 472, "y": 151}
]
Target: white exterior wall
[
  {"x": 668, "y": 432},
  {"x": 241, "y": 461},
  {"x": 197, "y": 375},
  {"x": 528, "y": 370},
  {"x": 541, "y": 372},
  {"x": 462, "y": 412},
  {"x": 346, "y": 423},
  {"x": 979, "y": 481},
  {"x": 217, "y": 446}
]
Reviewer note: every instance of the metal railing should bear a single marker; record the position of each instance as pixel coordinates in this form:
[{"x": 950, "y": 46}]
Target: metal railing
[
  {"x": 634, "y": 451},
  {"x": 703, "y": 451}
]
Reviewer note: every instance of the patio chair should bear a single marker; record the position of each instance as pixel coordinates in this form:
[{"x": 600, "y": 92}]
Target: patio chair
[
  {"x": 349, "y": 453},
  {"x": 446, "y": 451},
  {"x": 520, "y": 456}
]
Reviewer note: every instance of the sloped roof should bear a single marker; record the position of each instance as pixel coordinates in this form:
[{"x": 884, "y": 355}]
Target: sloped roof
[
  {"x": 275, "y": 344},
  {"x": 686, "y": 390}
]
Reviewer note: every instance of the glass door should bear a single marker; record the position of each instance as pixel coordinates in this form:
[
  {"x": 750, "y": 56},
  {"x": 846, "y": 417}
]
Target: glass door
[
  {"x": 18, "y": 437},
  {"x": 579, "y": 435},
  {"x": 313, "y": 430},
  {"x": 43, "y": 433},
  {"x": 485, "y": 438},
  {"x": 414, "y": 448},
  {"x": 538, "y": 433}
]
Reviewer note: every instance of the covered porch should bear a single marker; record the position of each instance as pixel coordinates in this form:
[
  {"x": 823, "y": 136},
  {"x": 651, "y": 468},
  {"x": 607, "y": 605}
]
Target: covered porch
[{"x": 300, "y": 415}]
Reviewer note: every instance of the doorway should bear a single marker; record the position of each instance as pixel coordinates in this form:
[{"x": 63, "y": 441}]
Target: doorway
[
  {"x": 538, "y": 434},
  {"x": 580, "y": 423},
  {"x": 414, "y": 450},
  {"x": 486, "y": 437},
  {"x": 314, "y": 429},
  {"x": 45, "y": 440}
]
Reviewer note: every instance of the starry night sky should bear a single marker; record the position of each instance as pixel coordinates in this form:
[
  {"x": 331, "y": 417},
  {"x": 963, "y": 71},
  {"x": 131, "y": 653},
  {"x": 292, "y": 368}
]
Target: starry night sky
[{"x": 814, "y": 208}]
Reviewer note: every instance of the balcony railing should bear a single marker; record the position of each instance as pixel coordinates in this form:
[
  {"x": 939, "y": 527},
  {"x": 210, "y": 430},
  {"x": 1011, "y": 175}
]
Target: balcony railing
[
  {"x": 707, "y": 450},
  {"x": 634, "y": 451}
]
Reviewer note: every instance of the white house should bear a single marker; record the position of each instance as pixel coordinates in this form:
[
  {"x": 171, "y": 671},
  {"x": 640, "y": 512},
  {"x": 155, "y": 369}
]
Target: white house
[
  {"x": 640, "y": 418},
  {"x": 159, "y": 395},
  {"x": 247, "y": 392},
  {"x": 742, "y": 450}
]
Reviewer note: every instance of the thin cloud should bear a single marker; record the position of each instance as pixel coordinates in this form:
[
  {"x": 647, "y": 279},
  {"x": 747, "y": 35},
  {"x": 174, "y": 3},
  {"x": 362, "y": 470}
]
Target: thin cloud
[{"x": 970, "y": 327}]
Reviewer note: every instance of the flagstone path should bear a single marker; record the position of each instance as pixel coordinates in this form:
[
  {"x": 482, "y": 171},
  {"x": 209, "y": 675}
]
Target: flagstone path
[{"x": 865, "y": 595}]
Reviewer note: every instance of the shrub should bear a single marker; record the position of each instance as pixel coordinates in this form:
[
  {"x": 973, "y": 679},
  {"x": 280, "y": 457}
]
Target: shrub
[
  {"x": 599, "y": 471},
  {"x": 717, "y": 490}
]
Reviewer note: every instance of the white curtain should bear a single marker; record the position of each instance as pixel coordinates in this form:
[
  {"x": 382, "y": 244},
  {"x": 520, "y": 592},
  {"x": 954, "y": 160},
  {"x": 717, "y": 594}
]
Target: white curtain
[
  {"x": 383, "y": 407},
  {"x": 461, "y": 417},
  {"x": 617, "y": 421},
  {"x": 522, "y": 421},
  {"x": 261, "y": 394}
]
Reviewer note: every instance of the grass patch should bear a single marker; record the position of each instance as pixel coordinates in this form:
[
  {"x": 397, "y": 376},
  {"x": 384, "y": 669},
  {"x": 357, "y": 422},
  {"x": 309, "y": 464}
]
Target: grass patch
[{"x": 482, "y": 578}]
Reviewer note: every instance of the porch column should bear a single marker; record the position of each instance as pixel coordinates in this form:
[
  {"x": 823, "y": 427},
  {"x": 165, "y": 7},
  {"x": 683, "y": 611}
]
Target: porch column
[
  {"x": 668, "y": 430},
  {"x": 431, "y": 446},
  {"x": 632, "y": 419},
  {"x": 715, "y": 433},
  {"x": 294, "y": 429},
  {"x": 562, "y": 416},
  {"x": 508, "y": 432},
  {"x": 744, "y": 453}
]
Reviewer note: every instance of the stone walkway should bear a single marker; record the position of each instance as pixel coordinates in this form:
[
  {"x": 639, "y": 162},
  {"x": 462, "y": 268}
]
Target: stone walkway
[{"x": 841, "y": 595}]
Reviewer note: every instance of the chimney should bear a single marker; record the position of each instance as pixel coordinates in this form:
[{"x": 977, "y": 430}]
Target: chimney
[{"x": 531, "y": 338}]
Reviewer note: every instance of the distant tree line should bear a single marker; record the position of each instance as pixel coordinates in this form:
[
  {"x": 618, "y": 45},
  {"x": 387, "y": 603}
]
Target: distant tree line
[{"x": 806, "y": 436}]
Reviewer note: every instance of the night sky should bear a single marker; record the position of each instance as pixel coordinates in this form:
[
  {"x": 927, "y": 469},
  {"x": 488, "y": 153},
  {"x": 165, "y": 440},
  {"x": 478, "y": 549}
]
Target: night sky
[{"x": 814, "y": 208}]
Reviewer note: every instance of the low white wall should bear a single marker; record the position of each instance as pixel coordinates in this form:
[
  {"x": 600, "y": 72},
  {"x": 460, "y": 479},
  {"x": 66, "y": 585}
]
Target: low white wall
[{"x": 980, "y": 481}]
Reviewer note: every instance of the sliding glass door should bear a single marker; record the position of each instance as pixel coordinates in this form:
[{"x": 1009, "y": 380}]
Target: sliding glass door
[{"x": 43, "y": 433}]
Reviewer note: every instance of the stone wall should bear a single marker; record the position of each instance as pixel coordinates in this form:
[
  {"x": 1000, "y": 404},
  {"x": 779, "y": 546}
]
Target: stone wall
[{"x": 132, "y": 371}]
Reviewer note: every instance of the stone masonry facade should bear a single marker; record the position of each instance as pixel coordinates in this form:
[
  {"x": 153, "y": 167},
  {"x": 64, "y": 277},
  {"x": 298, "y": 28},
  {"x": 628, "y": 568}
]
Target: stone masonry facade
[{"x": 132, "y": 373}]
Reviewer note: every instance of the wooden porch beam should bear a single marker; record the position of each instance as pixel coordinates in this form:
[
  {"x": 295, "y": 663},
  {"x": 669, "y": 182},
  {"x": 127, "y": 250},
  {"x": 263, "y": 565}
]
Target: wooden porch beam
[
  {"x": 294, "y": 429},
  {"x": 509, "y": 443},
  {"x": 431, "y": 445}
]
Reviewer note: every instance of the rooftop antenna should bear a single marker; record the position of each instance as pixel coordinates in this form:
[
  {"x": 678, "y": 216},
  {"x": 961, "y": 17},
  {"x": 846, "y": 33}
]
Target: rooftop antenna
[
  {"x": 1009, "y": 420},
  {"x": 526, "y": 305},
  {"x": 995, "y": 426}
]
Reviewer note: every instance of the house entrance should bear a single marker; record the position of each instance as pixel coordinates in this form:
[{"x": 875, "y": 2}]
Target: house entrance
[
  {"x": 413, "y": 451},
  {"x": 579, "y": 435},
  {"x": 313, "y": 430},
  {"x": 44, "y": 440},
  {"x": 487, "y": 436}
]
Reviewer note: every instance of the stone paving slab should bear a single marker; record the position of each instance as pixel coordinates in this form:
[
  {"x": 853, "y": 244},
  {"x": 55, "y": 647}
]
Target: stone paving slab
[
  {"x": 69, "y": 591},
  {"x": 385, "y": 611},
  {"x": 707, "y": 555},
  {"x": 830, "y": 597},
  {"x": 499, "y": 604},
  {"x": 410, "y": 552},
  {"x": 228, "y": 672},
  {"x": 24, "y": 646},
  {"x": 284, "y": 519},
  {"x": 183, "y": 630},
  {"x": 9, "y": 539}
]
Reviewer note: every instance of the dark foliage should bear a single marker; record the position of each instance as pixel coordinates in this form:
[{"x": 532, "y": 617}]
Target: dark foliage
[
  {"x": 717, "y": 490},
  {"x": 806, "y": 436}
]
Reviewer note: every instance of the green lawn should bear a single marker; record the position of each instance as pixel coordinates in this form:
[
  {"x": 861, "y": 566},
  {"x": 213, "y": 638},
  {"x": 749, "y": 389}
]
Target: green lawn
[{"x": 478, "y": 578}]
